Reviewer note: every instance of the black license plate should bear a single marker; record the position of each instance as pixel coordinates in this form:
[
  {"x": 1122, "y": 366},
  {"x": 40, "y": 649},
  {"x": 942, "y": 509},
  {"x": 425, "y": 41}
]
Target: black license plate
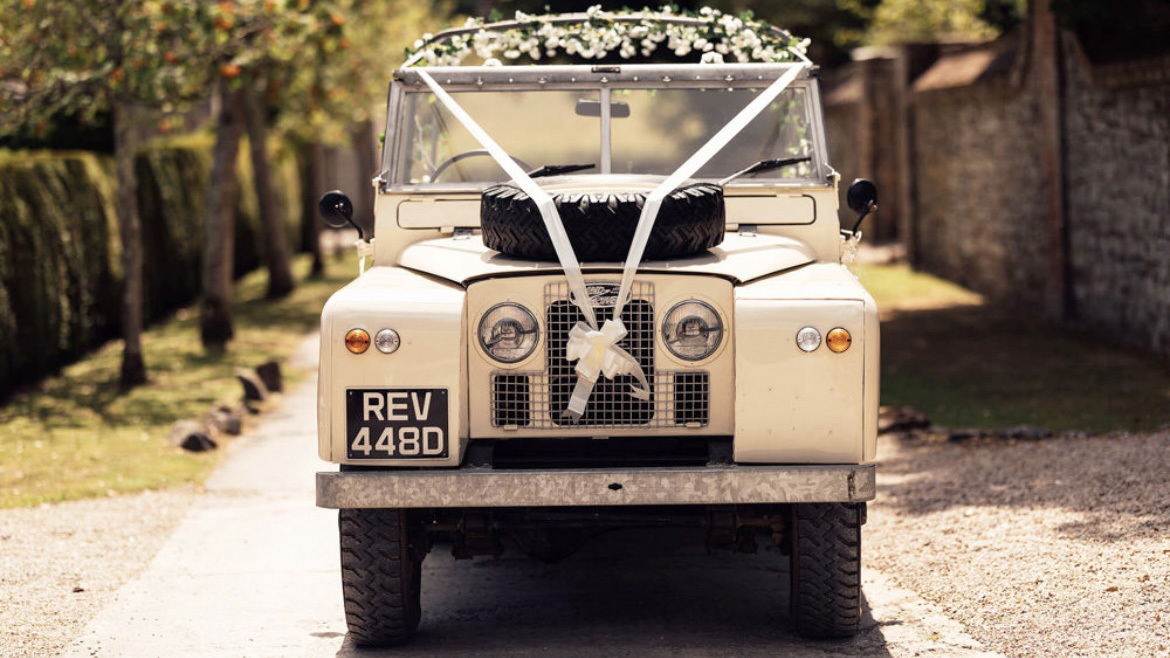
[{"x": 396, "y": 423}]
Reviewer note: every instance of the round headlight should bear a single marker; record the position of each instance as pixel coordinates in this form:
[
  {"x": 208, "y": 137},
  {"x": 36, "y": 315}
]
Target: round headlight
[
  {"x": 692, "y": 330},
  {"x": 508, "y": 332}
]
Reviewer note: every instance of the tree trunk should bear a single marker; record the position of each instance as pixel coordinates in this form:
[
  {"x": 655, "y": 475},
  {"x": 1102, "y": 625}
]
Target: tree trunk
[
  {"x": 276, "y": 250},
  {"x": 366, "y": 146},
  {"x": 312, "y": 187},
  {"x": 130, "y": 232},
  {"x": 215, "y": 321}
]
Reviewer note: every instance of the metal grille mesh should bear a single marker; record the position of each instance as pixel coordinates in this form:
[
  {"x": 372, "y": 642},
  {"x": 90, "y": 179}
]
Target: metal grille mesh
[
  {"x": 692, "y": 396},
  {"x": 536, "y": 400},
  {"x": 511, "y": 400}
]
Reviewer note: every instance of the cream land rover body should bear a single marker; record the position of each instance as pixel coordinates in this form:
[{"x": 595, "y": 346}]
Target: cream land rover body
[{"x": 760, "y": 428}]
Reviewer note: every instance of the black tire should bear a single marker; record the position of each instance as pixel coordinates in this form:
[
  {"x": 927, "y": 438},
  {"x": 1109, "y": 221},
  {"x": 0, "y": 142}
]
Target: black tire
[
  {"x": 601, "y": 225},
  {"x": 381, "y": 576},
  {"x": 826, "y": 569}
]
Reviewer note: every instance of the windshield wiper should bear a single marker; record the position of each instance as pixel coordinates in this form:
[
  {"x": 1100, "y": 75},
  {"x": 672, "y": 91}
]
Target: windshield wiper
[
  {"x": 552, "y": 170},
  {"x": 765, "y": 165}
]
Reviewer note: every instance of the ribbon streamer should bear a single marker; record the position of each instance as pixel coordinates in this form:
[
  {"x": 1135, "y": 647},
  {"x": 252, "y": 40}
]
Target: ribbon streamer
[
  {"x": 544, "y": 202},
  {"x": 693, "y": 164},
  {"x": 365, "y": 250}
]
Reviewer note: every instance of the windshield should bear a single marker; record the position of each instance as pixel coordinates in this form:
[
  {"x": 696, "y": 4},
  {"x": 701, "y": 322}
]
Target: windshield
[{"x": 653, "y": 131}]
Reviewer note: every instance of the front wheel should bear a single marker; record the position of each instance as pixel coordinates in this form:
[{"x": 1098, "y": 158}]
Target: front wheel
[
  {"x": 826, "y": 568},
  {"x": 381, "y": 576}
]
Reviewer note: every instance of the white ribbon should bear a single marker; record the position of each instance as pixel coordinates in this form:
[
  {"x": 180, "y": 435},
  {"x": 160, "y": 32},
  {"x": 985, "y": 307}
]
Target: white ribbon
[
  {"x": 365, "y": 249},
  {"x": 596, "y": 351},
  {"x": 544, "y": 202},
  {"x": 693, "y": 164}
]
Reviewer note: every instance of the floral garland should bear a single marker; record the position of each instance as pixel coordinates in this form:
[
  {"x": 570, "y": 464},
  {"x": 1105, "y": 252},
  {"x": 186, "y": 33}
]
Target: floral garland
[{"x": 601, "y": 33}]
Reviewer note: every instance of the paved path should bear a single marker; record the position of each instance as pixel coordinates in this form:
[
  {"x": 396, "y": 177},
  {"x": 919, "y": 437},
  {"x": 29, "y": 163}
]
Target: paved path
[{"x": 252, "y": 571}]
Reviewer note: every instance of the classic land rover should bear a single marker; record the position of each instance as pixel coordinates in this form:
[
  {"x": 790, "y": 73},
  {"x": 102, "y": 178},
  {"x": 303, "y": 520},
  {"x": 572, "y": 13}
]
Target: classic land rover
[{"x": 603, "y": 294}]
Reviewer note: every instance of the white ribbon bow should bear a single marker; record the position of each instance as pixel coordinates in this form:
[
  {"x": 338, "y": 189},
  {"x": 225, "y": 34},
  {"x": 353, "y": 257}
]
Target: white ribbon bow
[{"x": 597, "y": 353}]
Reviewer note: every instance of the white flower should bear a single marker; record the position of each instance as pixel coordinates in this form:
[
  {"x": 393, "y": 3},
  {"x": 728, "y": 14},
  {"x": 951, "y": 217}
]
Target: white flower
[
  {"x": 722, "y": 35},
  {"x": 492, "y": 61}
]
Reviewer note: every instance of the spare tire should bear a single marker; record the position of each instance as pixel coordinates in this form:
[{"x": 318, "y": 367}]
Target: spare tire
[{"x": 600, "y": 225}]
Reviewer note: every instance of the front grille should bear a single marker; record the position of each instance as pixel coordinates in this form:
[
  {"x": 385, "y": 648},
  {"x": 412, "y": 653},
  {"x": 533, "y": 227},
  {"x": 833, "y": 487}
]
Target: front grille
[{"x": 537, "y": 400}]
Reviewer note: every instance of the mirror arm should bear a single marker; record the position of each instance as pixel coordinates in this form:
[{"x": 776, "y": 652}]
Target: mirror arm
[{"x": 871, "y": 207}]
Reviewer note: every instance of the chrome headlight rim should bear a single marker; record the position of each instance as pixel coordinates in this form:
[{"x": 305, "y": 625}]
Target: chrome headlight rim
[
  {"x": 526, "y": 314},
  {"x": 718, "y": 329}
]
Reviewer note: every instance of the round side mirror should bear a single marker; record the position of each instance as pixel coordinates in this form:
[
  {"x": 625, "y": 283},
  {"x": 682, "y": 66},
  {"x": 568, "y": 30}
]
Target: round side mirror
[
  {"x": 336, "y": 208},
  {"x": 860, "y": 195}
]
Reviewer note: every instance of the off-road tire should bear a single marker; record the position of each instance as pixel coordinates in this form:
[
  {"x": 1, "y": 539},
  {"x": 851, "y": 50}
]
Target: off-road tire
[
  {"x": 380, "y": 576},
  {"x": 826, "y": 569},
  {"x": 601, "y": 225}
]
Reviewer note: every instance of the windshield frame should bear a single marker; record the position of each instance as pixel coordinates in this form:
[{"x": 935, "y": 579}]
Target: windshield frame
[{"x": 597, "y": 78}]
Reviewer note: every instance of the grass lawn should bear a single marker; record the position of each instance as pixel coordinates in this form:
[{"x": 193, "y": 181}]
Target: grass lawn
[
  {"x": 73, "y": 436},
  {"x": 968, "y": 364}
]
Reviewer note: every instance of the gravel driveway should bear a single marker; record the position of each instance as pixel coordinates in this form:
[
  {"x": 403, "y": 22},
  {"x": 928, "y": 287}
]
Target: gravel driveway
[
  {"x": 59, "y": 564},
  {"x": 1039, "y": 548}
]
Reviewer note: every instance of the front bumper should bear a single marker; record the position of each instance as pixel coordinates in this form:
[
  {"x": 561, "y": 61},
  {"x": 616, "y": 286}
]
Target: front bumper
[{"x": 471, "y": 487}]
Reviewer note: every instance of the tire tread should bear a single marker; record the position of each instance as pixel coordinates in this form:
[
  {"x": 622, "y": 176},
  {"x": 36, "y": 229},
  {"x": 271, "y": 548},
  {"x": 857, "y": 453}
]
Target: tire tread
[
  {"x": 826, "y": 569},
  {"x": 379, "y": 577},
  {"x": 601, "y": 226}
]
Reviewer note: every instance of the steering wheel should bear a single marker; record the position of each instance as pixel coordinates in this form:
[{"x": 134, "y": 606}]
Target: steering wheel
[{"x": 442, "y": 166}]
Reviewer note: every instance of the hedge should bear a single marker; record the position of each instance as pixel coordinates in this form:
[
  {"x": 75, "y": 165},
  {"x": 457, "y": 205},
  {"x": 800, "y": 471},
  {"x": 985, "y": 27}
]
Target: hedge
[{"x": 60, "y": 268}]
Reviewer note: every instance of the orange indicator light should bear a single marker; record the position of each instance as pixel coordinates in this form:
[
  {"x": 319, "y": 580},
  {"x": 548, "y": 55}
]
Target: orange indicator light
[
  {"x": 838, "y": 340},
  {"x": 357, "y": 341}
]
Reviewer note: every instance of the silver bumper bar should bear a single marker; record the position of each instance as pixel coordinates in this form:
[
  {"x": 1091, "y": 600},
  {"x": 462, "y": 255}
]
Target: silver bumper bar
[{"x": 481, "y": 487}]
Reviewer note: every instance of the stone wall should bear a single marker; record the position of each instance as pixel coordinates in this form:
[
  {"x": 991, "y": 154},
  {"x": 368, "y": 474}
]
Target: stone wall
[
  {"x": 1118, "y": 188},
  {"x": 978, "y": 212}
]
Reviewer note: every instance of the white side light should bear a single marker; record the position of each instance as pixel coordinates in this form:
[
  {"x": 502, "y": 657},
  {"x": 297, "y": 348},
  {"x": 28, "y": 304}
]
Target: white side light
[
  {"x": 387, "y": 341},
  {"x": 808, "y": 339}
]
